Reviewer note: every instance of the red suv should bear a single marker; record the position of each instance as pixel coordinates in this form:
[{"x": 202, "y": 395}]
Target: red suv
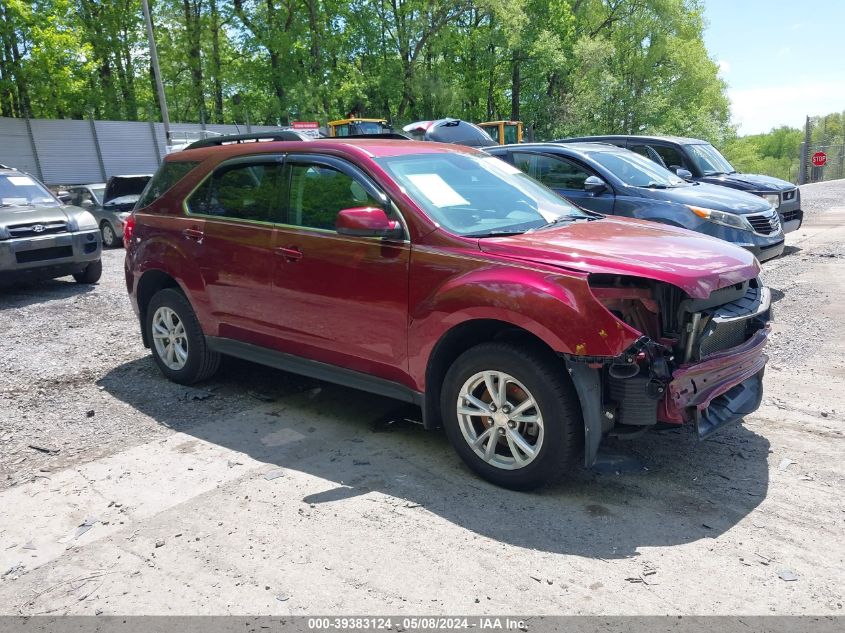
[{"x": 526, "y": 327}]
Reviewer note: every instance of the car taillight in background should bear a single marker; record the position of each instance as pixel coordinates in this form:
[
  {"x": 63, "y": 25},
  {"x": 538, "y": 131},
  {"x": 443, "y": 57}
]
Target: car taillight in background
[{"x": 128, "y": 228}]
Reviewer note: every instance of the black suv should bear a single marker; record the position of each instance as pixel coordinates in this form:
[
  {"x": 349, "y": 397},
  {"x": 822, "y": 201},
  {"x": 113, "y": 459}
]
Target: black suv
[{"x": 706, "y": 164}]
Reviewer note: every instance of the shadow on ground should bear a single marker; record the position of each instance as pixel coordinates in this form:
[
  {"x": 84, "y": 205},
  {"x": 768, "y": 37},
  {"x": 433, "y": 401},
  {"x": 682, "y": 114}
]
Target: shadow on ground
[
  {"x": 20, "y": 295},
  {"x": 361, "y": 443}
]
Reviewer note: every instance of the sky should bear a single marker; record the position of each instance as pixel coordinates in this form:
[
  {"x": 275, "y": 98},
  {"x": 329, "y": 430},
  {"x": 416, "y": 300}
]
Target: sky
[{"x": 782, "y": 59}]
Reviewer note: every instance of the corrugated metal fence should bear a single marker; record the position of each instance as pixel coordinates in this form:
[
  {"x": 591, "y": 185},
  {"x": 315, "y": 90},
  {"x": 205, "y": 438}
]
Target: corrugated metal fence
[{"x": 64, "y": 151}]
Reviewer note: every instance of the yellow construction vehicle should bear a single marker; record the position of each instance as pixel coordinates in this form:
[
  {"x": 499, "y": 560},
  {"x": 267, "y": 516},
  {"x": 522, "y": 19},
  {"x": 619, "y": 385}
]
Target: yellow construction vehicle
[
  {"x": 503, "y": 132},
  {"x": 348, "y": 127}
]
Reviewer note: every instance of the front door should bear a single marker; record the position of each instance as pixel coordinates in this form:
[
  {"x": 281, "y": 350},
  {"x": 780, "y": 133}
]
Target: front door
[
  {"x": 345, "y": 299},
  {"x": 564, "y": 177}
]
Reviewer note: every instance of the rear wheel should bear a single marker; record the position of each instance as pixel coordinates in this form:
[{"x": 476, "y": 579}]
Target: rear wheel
[
  {"x": 512, "y": 415},
  {"x": 90, "y": 274},
  {"x": 178, "y": 344}
]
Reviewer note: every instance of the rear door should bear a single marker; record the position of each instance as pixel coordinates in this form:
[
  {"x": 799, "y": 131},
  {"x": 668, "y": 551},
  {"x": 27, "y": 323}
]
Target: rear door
[
  {"x": 237, "y": 206},
  {"x": 344, "y": 299},
  {"x": 565, "y": 177}
]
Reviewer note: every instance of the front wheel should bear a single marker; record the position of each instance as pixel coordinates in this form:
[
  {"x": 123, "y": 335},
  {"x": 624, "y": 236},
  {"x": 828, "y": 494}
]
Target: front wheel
[
  {"x": 176, "y": 338},
  {"x": 110, "y": 237},
  {"x": 90, "y": 274},
  {"x": 512, "y": 415}
]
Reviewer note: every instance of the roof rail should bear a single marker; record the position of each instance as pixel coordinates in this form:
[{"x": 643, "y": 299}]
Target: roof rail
[
  {"x": 281, "y": 135},
  {"x": 6, "y": 167},
  {"x": 387, "y": 135}
]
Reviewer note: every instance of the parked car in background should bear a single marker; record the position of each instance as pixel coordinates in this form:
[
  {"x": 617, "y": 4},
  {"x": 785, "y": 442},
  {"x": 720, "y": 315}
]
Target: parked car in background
[
  {"x": 40, "y": 237},
  {"x": 704, "y": 163},
  {"x": 608, "y": 179},
  {"x": 449, "y": 131},
  {"x": 110, "y": 203},
  {"x": 436, "y": 274}
]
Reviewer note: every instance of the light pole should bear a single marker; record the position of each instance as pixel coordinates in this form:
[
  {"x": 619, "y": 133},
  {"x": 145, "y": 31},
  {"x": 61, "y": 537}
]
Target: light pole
[{"x": 162, "y": 101}]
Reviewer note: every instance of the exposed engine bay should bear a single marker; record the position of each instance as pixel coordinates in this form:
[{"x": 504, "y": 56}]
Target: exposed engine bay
[{"x": 698, "y": 361}]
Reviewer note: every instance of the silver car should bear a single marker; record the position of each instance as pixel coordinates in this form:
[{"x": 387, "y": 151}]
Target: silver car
[{"x": 110, "y": 203}]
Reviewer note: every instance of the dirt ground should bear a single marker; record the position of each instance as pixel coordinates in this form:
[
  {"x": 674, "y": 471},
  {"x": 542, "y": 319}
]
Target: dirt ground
[{"x": 266, "y": 493}]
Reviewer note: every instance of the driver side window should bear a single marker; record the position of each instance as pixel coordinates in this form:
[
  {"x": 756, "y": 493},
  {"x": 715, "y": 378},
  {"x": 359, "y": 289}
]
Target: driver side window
[
  {"x": 554, "y": 172},
  {"x": 319, "y": 192},
  {"x": 670, "y": 156}
]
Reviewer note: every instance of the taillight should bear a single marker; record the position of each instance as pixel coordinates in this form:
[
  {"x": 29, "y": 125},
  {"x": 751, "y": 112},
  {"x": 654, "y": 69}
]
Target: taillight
[{"x": 128, "y": 229}]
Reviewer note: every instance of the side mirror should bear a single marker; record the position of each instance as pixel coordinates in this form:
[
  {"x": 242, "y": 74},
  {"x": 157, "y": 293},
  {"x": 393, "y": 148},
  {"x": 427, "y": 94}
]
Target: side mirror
[
  {"x": 680, "y": 172},
  {"x": 367, "y": 222},
  {"x": 594, "y": 185},
  {"x": 86, "y": 203}
]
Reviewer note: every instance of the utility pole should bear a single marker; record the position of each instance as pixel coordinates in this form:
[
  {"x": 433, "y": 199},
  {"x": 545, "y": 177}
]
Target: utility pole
[
  {"x": 162, "y": 101},
  {"x": 805, "y": 154}
]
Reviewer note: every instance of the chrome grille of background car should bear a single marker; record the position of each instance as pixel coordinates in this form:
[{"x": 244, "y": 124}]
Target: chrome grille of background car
[
  {"x": 36, "y": 229},
  {"x": 765, "y": 223}
]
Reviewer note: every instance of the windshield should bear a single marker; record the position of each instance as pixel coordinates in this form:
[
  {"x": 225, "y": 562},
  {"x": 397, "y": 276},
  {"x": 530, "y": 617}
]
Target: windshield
[
  {"x": 709, "y": 160},
  {"x": 477, "y": 196},
  {"x": 22, "y": 190},
  {"x": 369, "y": 127},
  {"x": 636, "y": 170}
]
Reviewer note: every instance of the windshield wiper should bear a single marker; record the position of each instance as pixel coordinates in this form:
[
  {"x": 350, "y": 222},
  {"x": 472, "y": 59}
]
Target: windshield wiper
[
  {"x": 655, "y": 185},
  {"x": 565, "y": 219},
  {"x": 495, "y": 233}
]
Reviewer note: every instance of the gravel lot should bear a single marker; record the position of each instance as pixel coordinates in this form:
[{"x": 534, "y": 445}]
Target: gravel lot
[{"x": 181, "y": 511}]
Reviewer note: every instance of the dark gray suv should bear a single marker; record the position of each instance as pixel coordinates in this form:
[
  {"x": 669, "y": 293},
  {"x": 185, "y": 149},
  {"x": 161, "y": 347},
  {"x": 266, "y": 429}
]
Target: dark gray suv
[
  {"x": 607, "y": 179},
  {"x": 706, "y": 164},
  {"x": 41, "y": 238}
]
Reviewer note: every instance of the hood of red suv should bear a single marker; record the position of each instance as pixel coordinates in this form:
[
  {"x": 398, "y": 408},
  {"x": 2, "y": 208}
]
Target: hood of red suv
[{"x": 696, "y": 263}]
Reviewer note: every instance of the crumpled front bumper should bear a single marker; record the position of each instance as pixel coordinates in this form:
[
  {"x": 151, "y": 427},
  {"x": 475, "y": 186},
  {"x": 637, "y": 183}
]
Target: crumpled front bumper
[{"x": 723, "y": 387}]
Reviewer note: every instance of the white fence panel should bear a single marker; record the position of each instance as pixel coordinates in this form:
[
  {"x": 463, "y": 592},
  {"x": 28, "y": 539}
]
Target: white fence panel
[
  {"x": 66, "y": 151},
  {"x": 15, "y": 146},
  {"x": 127, "y": 147}
]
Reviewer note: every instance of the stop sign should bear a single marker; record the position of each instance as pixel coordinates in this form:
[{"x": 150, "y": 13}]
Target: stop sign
[{"x": 819, "y": 159}]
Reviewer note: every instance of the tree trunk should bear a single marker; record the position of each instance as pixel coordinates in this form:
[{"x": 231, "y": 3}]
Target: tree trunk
[
  {"x": 515, "y": 86},
  {"x": 193, "y": 14},
  {"x": 217, "y": 83}
]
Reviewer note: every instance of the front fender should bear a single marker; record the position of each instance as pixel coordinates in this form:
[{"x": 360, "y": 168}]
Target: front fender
[{"x": 559, "y": 309}]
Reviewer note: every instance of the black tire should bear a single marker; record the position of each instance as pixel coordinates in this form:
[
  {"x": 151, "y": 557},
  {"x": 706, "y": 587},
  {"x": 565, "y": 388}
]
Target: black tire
[
  {"x": 110, "y": 236},
  {"x": 90, "y": 274},
  {"x": 201, "y": 363},
  {"x": 544, "y": 376}
]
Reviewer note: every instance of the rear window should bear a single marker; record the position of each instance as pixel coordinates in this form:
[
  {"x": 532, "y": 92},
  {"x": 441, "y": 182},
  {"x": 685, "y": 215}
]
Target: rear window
[{"x": 167, "y": 175}]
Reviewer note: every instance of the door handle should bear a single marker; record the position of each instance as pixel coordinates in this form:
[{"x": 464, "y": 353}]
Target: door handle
[
  {"x": 193, "y": 234},
  {"x": 290, "y": 253}
]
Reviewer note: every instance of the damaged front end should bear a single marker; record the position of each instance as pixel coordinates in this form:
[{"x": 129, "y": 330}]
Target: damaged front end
[{"x": 698, "y": 361}]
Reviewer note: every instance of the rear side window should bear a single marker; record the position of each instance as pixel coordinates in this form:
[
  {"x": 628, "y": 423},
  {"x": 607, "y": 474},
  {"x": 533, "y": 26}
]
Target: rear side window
[
  {"x": 250, "y": 191},
  {"x": 167, "y": 175}
]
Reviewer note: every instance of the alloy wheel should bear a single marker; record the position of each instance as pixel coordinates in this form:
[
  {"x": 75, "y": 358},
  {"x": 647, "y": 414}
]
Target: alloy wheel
[
  {"x": 169, "y": 338},
  {"x": 500, "y": 420}
]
